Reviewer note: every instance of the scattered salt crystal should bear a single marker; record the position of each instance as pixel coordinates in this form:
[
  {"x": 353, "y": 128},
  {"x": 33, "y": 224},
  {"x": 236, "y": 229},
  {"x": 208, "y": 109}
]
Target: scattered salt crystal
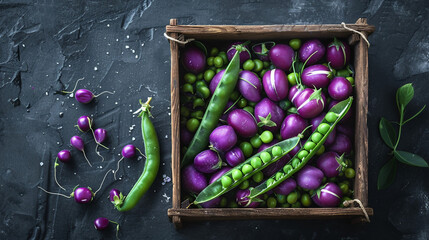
[
  {"x": 133, "y": 51},
  {"x": 95, "y": 68},
  {"x": 108, "y": 25},
  {"x": 71, "y": 95},
  {"x": 46, "y": 93},
  {"x": 128, "y": 36},
  {"x": 107, "y": 53},
  {"x": 167, "y": 198},
  {"x": 41, "y": 163},
  {"x": 116, "y": 103},
  {"x": 166, "y": 136},
  {"x": 137, "y": 56},
  {"x": 133, "y": 138},
  {"x": 126, "y": 46}
]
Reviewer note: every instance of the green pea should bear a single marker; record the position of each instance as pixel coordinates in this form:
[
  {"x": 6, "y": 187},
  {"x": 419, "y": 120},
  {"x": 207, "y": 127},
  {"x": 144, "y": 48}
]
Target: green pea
[
  {"x": 321, "y": 150},
  {"x": 192, "y": 124},
  {"x": 190, "y": 78},
  {"x": 200, "y": 76},
  {"x": 234, "y": 95},
  {"x": 302, "y": 154},
  {"x": 285, "y": 205},
  {"x": 277, "y": 151},
  {"x": 309, "y": 145},
  {"x": 233, "y": 204},
  {"x": 197, "y": 114},
  {"x": 224, "y": 57},
  {"x": 265, "y": 156},
  {"x": 256, "y": 141},
  {"x": 281, "y": 198},
  {"x": 188, "y": 88},
  {"x": 214, "y": 51},
  {"x": 218, "y": 62},
  {"x": 248, "y": 65},
  {"x": 291, "y": 77},
  {"x": 184, "y": 111},
  {"x": 204, "y": 92},
  {"x": 349, "y": 163},
  {"x": 247, "y": 168},
  {"x": 279, "y": 175},
  {"x": 270, "y": 181},
  {"x": 210, "y": 61},
  {"x": 295, "y": 43},
  {"x": 262, "y": 73},
  {"x": 200, "y": 84},
  {"x": 242, "y": 103},
  {"x": 350, "y": 173},
  {"x": 256, "y": 162},
  {"x": 208, "y": 75},
  {"x": 236, "y": 174},
  {"x": 226, "y": 181},
  {"x": 271, "y": 202},
  {"x": 296, "y": 205},
  {"x": 343, "y": 73},
  {"x": 344, "y": 188},
  {"x": 287, "y": 168},
  {"x": 267, "y": 64},
  {"x": 323, "y": 128},
  {"x": 306, "y": 200},
  {"x": 331, "y": 117},
  {"x": 249, "y": 109},
  {"x": 332, "y": 179},
  {"x": 198, "y": 103},
  {"x": 252, "y": 104},
  {"x": 295, "y": 162},
  {"x": 244, "y": 185},
  {"x": 351, "y": 80},
  {"x": 259, "y": 65},
  {"x": 247, "y": 149},
  {"x": 316, "y": 137},
  {"x": 266, "y": 136},
  {"x": 258, "y": 177},
  {"x": 223, "y": 202},
  {"x": 292, "y": 197}
]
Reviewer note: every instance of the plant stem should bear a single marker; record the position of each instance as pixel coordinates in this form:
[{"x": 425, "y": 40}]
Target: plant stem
[{"x": 401, "y": 122}]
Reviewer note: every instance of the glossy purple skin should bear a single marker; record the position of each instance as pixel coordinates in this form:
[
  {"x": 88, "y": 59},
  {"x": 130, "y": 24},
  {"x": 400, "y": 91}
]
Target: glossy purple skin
[
  {"x": 281, "y": 55},
  {"x": 316, "y": 76},
  {"x": 223, "y": 138},
  {"x": 285, "y": 187},
  {"x": 84, "y": 96},
  {"x": 309, "y": 48},
  {"x": 100, "y": 135},
  {"x": 294, "y": 92},
  {"x": 82, "y": 195},
  {"x": 249, "y": 86},
  {"x": 257, "y": 49},
  {"x": 335, "y": 56},
  {"x": 276, "y": 166},
  {"x": 207, "y": 161},
  {"x": 77, "y": 143},
  {"x": 342, "y": 144},
  {"x": 234, "y": 156},
  {"x": 114, "y": 192},
  {"x": 348, "y": 115},
  {"x": 215, "y": 81},
  {"x": 193, "y": 59},
  {"x": 64, "y": 156},
  {"x": 83, "y": 123},
  {"x": 242, "y": 199},
  {"x": 185, "y": 136},
  {"x": 212, "y": 203},
  {"x": 265, "y": 107},
  {"x": 312, "y": 108},
  {"x": 346, "y": 129},
  {"x": 327, "y": 197},
  {"x": 101, "y": 223},
  {"x": 219, "y": 174},
  {"x": 276, "y": 85},
  {"x": 243, "y": 123},
  {"x": 228, "y": 107},
  {"x": 340, "y": 88},
  {"x": 327, "y": 162},
  {"x": 192, "y": 180},
  {"x": 244, "y": 55},
  {"x": 314, "y": 122},
  {"x": 128, "y": 151},
  {"x": 292, "y": 125},
  {"x": 309, "y": 177}
]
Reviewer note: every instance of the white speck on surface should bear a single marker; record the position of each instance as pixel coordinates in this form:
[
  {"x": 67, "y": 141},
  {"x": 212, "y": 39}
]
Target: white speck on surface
[
  {"x": 117, "y": 40},
  {"x": 137, "y": 56},
  {"x": 128, "y": 36},
  {"x": 167, "y": 198},
  {"x": 166, "y": 136},
  {"x": 108, "y": 25},
  {"x": 133, "y": 138},
  {"x": 41, "y": 163},
  {"x": 71, "y": 95},
  {"x": 23, "y": 45},
  {"x": 58, "y": 99},
  {"x": 74, "y": 173},
  {"x": 129, "y": 166},
  {"x": 126, "y": 46},
  {"x": 133, "y": 51},
  {"x": 169, "y": 114},
  {"x": 107, "y": 53},
  {"x": 95, "y": 68},
  {"x": 58, "y": 143},
  {"x": 131, "y": 110},
  {"x": 46, "y": 93},
  {"x": 116, "y": 103}
]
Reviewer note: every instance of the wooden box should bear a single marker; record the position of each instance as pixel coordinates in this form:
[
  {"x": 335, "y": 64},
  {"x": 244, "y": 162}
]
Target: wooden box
[{"x": 179, "y": 214}]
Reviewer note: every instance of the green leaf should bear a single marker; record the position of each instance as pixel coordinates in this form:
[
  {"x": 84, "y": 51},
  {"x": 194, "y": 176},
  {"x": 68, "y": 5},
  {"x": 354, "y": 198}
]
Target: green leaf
[
  {"x": 387, "y": 132},
  {"x": 404, "y": 95},
  {"x": 387, "y": 174},
  {"x": 410, "y": 159}
]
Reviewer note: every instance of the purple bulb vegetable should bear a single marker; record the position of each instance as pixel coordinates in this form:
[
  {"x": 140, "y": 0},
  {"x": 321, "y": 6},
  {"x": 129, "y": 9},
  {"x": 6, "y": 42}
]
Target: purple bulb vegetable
[
  {"x": 64, "y": 156},
  {"x": 234, "y": 156},
  {"x": 328, "y": 196},
  {"x": 83, "y": 195},
  {"x": 116, "y": 197},
  {"x": 276, "y": 166},
  {"x": 193, "y": 59},
  {"x": 185, "y": 136},
  {"x": 269, "y": 115},
  {"x": 242, "y": 199},
  {"x": 244, "y": 55},
  {"x": 192, "y": 180},
  {"x": 346, "y": 129},
  {"x": 207, "y": 161},
  {"x": 267, "y": 145},
  {"x": 249, "y": 86},
  {"x": 275, "y": 84},
  {"x": 282, "y": 55},
  {"x": 101, "y": 223},
  {"x": 223, "y": 138},
  {"x": 77, "y": 143},
  {"x": 218, "y": 174},
  {"x": 309, "y": 177},
  {"x": 316, "y": 76},
  {"x": 285, "y": 187},
  {"x": 215, "y": 80},
  {"x": 84, "y": 96},
  {"x": 212, "y": 203},
  {"x": 342, "y": 144},
  {"x": 294, "y": 92},
  {"x": 292, "y": 125},
  {"x": 340, "y": 88},
  {"x": 100, "y": 135},
  {"x": 330, "y": 163},
  {"x": 129, "y": 151},
  {"x": 261, "y": 50},
  {"x": 83, "y": 123},
  {"x": 338, "y": 54},
  {"x": 310, "y": 102},
  {"x": 311, "y": 51},
  {"x": 243, "y": 123}
]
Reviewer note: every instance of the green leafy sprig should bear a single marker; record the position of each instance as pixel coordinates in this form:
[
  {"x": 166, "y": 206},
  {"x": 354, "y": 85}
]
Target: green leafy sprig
[{"x": 388, "y": 133}]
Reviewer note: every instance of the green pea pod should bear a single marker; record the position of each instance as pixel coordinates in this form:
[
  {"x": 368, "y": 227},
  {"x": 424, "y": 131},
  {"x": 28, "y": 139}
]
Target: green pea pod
[
  {"x": 216, "y": 189},
  {"x": 214, "y": 109},
  {"x": 151, "y": 146},
  {"x": 295, "y": 164}
]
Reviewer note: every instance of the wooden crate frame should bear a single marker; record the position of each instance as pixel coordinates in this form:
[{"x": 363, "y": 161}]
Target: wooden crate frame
[{"x": 178, "y": 214}]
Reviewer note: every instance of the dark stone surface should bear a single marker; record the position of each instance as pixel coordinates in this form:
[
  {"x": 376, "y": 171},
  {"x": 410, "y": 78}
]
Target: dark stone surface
[{"x": 119, "y": 46}]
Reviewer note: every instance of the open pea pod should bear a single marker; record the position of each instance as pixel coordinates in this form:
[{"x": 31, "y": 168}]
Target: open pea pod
[
  {"x": 248, "y": 168},
  {"x": 307, "y": 151}
]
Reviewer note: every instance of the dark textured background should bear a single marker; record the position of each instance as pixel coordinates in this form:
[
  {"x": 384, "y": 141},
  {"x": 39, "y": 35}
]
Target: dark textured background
[{"x": 119, "y": 46}]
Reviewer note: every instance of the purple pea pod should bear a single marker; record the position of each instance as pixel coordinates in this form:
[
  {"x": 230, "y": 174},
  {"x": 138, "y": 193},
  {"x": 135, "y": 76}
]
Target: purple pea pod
[
  {"x": 269, "y": 115},
  {"x": 261, "y": 50},
  {"x": 276, "y": 166},
  {"x": 275, "y": 84},
  {"x": 193, "y": 59},
  {"x": 234, "y": 156},
  {"x": 223, "y": 138},
  {"x": 310, "y": 102},
  {"x": 309, "y": 177},
  {"x": 242, "y": 199},
  {"x": 340, "y": 88},
  {"x": 328, "y": 196},
  {"x": 84, "y": 123},
  {"x": 292, "y": 125},
  {"x": 316, "y": 76},
  {"x": 249, "y": 86},
  {"x": 331, "y": 164},
  {"x": 285, "y": 187},
  {"x": 219, "y": 174},
  {"x": 192, "y": 180},
  {"x": 215, "y": 80},
  {"x": 244, "y": 55},
  {"x": 342, "y": 144},
  {"x": 315, "y": 123},
  {"x": 83, "y": 195},
  {"x": 311, "y": 51},
  {"x": 207, "y": 161},
  {"x": 338, "y": 54},
  {"x": 243, "y": 123},
  {"x": 282, "y": 55}
]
